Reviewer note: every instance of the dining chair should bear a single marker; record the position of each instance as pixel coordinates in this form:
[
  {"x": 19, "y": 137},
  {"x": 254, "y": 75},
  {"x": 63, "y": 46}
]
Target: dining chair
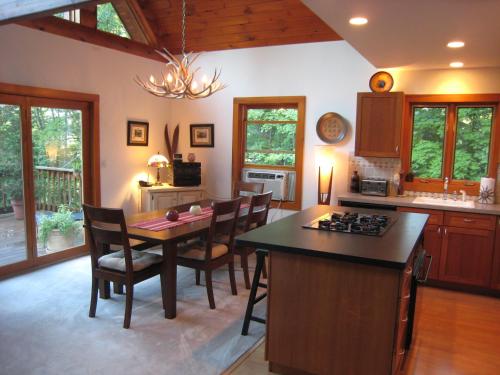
[
  {"x": 242, "y": 188},
  {"x": 207, "y": 254},
  {"x": 106, "y": 227},
  {"x": 257, "y": 217}
]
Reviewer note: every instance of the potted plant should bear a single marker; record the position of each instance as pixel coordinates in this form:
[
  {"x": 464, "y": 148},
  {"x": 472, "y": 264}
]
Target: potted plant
[
  {"x": 14, "y": 190},
  {"x": 58, "y": 231}
]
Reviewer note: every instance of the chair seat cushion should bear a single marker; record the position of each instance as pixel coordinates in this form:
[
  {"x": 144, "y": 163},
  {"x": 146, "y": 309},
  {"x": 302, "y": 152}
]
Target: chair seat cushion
[
  {"x": 140, "y": 260},
  {"x": 197, "y": 250}
]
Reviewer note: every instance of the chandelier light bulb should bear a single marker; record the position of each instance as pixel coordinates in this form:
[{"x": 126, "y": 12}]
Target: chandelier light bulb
[
  {"x": 194, "y": 85},
  {"x": 152, "y": 79},
  {"x": 169, "y": 78}
]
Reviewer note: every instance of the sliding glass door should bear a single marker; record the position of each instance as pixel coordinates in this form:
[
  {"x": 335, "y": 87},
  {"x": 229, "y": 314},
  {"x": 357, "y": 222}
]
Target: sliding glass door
[{"x": 45, "y": 171}]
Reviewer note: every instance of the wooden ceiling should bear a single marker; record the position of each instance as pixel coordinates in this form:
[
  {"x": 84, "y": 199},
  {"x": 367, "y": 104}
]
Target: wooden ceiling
[
  {"x": 211, "y": 25},
  {"x": 226, "y": 24}
]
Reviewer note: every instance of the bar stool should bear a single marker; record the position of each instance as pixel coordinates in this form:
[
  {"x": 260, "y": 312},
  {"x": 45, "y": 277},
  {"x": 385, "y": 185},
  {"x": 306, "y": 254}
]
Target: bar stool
[{"x": 253, "y": 299}]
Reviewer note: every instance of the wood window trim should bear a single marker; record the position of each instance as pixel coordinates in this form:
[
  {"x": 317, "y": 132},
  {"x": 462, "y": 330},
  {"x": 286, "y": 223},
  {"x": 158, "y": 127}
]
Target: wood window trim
[
  {"x": 24, "y": 96},
  {"x": 436, "y": 185},
  {"x": 240, "y": 105}
]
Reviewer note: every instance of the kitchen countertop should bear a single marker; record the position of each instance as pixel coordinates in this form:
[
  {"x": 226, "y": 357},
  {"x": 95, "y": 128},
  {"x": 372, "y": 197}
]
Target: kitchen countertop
[
  {"x": 390, "y": 250},
  {"x": 490, "y": 209}
]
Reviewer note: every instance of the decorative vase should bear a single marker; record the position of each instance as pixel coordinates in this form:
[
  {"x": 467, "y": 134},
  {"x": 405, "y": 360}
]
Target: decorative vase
[
  {"x": 195, "y": 210},
  {"x": 172, "y": 215},
  {"x": 191, "y": 157}
]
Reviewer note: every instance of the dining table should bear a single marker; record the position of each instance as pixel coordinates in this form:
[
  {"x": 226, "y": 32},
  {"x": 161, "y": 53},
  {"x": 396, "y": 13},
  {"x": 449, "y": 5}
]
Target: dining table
[{"x": 168, "y": 240}]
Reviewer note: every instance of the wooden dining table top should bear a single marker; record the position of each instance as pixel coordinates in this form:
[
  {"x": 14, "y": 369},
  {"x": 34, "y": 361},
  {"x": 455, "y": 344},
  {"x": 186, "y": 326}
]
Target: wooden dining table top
[{"x": 174, "y": 234}]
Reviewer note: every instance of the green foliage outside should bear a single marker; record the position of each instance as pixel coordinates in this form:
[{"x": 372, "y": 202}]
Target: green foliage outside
[
  {"x": 11, "y": 161},
  {"x": 60, "y": 220},
  {"x": 428, "y": 141},
  {"x": 109, "y": 21},
  {"x": 57, "y": 143},
  {"x": 268, "y": 143},
  {"x": 472, "y": 142}
]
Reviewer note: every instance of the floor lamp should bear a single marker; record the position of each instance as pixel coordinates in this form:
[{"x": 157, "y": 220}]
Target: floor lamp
[{"x": 324, "y": 161}]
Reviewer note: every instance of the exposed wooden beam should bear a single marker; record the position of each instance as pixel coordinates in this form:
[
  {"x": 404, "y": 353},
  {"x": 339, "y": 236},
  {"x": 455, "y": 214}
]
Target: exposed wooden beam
[
  {"x": 73, "y": 30},
  {"x": 88, "y": 17},
  {"x": 16, "y": 10},
  {"x": 135, "y": 21}
]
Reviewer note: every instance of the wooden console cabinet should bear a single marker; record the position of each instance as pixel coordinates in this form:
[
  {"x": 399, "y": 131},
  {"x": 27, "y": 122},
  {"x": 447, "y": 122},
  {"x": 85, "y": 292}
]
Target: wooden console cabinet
[
  {"x": 165, "y": 196},
  {"x": 378, "y": 124}
]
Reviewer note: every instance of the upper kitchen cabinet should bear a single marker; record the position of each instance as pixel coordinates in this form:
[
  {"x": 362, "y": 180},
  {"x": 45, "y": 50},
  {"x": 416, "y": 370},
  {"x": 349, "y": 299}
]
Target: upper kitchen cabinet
[{"x": 378, "y": 124}]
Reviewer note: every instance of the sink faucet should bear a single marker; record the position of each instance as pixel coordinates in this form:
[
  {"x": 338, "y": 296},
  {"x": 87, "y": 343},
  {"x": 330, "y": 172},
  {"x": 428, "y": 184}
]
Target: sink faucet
[
  {"x": 445, "y": 188},
  {"x": 464, "y": 195}
]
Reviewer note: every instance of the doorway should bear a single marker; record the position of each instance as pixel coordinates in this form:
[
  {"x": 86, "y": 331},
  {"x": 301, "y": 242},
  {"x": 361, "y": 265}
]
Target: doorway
[{"x": 48, "y": 168}]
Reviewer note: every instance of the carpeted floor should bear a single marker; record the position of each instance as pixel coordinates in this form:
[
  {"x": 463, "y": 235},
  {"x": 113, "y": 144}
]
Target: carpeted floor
[{"x": 45, "y": 328}]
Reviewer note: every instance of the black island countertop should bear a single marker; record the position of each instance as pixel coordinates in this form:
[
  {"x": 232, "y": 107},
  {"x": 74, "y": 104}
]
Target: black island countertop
[{"x": 390, "y": 250}]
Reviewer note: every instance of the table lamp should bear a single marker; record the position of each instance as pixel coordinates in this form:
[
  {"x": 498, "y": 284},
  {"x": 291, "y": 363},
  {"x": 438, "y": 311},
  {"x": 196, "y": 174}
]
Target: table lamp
[
  {"x": 324, "y": 161},
  {"x": 157, "y": 161}
]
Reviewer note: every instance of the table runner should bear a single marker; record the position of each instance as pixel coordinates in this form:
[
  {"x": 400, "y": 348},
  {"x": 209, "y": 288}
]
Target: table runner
[{"x": 161, "y": 223}]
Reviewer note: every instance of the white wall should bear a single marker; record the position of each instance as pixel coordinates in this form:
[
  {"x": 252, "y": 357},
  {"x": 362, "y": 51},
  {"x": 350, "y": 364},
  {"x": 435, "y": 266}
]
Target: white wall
[
  {"x": 449, "y": 81},
  {"x": 34, "y": 58},
  {"x": 329, "y": 74}
]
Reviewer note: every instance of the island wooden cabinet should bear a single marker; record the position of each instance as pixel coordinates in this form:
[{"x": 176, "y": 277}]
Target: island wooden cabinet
[{"x": 378, "y": 124}]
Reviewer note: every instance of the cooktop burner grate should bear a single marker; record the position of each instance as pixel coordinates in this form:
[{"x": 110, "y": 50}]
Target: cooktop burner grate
[{"x": 352, "y": 222}]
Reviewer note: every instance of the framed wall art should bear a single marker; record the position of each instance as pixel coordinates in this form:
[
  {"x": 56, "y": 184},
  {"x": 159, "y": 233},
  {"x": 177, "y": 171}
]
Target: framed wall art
[
  {"x": 202, "y": 135},
  {"x": 137, "y": 133}
]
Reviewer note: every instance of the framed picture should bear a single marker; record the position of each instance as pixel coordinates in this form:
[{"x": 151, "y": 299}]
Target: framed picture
[
  {"x": 137, "y": 133},
  {"x": 202, "y": 135}
]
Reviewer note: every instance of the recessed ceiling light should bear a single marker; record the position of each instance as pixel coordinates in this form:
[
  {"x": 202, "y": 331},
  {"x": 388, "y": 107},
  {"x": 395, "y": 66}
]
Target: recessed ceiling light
[
  {"x": 456, "y": 44},
  {"x": 456, "y": 64},
  {"x": 358, "y": 21}
]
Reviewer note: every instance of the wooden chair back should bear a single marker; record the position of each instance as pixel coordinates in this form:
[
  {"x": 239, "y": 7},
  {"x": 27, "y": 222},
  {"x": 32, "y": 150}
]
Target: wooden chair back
[
  {"x": 258, "y": 211},
  {"x": 250, "y": 188},
  {"x": 224, "y": 219},
  {"x": 106, "y": 227}
]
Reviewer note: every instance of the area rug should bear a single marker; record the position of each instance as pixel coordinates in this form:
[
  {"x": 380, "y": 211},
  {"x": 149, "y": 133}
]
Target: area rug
[{"x": 45, "y": 328}]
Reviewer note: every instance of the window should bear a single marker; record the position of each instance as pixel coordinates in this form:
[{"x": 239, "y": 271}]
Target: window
[
  {"x": 109, "y": 21},
  {"x": 268, "y": 135},
  {"x": 450, "y": 138},
  {"x": 70, "y": 15}
]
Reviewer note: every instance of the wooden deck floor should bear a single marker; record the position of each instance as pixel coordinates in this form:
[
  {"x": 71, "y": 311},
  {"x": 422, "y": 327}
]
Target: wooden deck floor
[
  {"x": 12, "y": 240},
  {"x": 455, "y": 334}
]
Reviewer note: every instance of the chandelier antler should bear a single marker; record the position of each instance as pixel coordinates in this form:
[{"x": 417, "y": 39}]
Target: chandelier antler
[{"x": 179, "y": 81}]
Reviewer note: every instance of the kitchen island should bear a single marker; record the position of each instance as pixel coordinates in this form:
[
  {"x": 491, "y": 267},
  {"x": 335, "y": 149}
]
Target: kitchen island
[{"x": 338, "y": 303}]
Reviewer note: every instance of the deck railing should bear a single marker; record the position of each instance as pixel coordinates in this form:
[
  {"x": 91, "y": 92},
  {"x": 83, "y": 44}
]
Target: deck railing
[
  {"x": 56, "y": 186},
  {"x": 53, "y": 187}
]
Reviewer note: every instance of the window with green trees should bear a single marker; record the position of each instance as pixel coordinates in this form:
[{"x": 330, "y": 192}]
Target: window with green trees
[
  {"x": 271, "y": 136},
  {"x": 109, "y": 21},
  {"x": 469, "y": 129}
]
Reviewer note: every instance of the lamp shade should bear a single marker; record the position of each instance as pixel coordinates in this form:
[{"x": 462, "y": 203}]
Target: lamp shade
[
  {"x": 157, "y": 161},
  {"x": 324, "y": 156}
]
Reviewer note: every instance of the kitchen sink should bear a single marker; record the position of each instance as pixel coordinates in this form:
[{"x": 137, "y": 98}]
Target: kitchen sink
[{"x": 444, "y": 202}]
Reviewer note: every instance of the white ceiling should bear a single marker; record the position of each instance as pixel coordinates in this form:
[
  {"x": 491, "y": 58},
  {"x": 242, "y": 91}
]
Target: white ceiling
[{"x": 413, "y": 33}]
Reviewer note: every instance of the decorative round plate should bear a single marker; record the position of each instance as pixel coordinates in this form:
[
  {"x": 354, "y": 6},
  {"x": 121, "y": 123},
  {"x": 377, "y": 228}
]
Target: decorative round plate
[
  {"x": 381, "y": 82},
  {"x": 331, "y": 128}
]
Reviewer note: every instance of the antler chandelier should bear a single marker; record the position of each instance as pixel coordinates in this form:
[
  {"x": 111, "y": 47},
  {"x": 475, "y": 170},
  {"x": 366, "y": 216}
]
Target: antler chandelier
[{"x": 178, "y": 81}]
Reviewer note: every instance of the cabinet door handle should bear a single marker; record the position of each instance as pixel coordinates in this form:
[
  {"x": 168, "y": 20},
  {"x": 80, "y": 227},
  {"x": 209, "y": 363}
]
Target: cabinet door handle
[
  {"x": 469, "y": 221},
  {"x": 439, "y": 230},
  {"x": 445, "y": 231},
  {"x": 397, "y": 148}
]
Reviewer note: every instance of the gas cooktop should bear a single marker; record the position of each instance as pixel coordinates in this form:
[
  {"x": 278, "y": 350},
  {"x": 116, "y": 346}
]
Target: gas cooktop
[{"x": 352, "y": 222}]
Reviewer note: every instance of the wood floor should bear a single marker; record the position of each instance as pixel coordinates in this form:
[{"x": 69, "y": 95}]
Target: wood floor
[{"x": 455, "y": 334}]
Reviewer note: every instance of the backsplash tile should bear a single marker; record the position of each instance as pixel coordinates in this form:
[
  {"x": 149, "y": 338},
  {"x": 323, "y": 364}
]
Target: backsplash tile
[{"x": 373, "y": 167}]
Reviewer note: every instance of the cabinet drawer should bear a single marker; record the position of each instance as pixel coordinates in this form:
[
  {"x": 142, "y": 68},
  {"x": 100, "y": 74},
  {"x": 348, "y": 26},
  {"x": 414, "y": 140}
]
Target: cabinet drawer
[
  {"x": 436, "y": 216},
  {"x": 472, "y": 221}
]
